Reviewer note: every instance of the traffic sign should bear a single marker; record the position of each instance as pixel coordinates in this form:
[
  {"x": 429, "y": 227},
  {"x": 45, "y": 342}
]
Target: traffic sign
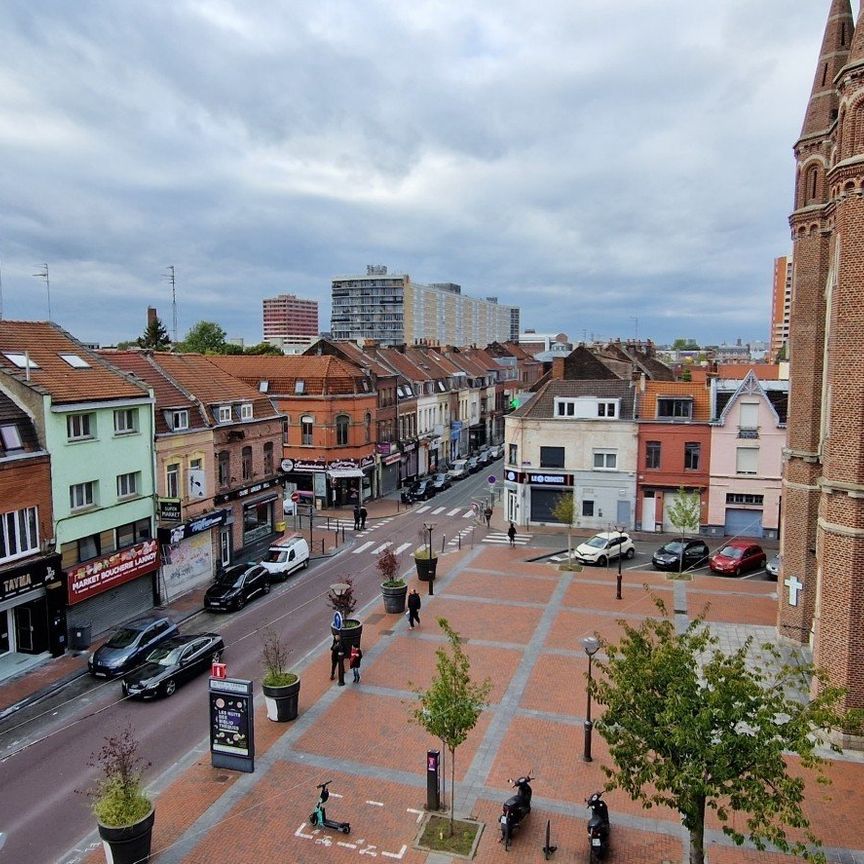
[
  {"x": 337, "y": 621},
  {"x": 295, "y": 496},
  {"x": 491, "y": 480}
]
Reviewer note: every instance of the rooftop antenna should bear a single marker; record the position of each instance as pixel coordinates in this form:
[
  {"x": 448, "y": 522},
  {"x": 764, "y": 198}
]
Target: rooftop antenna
[
  {"x": 170, "y": 277},
  {"x": 43, "y": 274}
]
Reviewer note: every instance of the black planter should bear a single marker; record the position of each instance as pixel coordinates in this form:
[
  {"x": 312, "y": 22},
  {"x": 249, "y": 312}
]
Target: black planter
[
  {"x": 282, "y": 702},
  {"x": 350, "y": 635},
  {"x": 426, "y": 568},
  {"x": 394, "y": 598},
  {"x": 131, "y": 843}
]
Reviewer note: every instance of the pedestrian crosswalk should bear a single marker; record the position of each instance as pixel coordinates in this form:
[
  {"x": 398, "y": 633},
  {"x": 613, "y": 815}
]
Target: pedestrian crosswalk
[{"x": 501, "y": 537}]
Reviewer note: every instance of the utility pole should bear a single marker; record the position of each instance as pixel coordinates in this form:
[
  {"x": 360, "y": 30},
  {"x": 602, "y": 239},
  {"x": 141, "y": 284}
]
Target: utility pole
[
  {"x": 170, "y": 277},
  {"x": 43, "y": 274}
]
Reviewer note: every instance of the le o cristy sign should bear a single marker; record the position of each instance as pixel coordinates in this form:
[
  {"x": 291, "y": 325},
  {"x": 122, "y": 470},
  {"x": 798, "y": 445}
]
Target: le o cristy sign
[{"x": 112, "y": 570}]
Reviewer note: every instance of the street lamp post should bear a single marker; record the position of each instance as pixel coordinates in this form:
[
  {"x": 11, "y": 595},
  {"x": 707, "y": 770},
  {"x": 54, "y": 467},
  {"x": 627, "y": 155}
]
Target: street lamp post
[
  {"x": 428, "y": 526},
  {"x": 591, "y": 644},
  {"x": 618, "y": 579}
]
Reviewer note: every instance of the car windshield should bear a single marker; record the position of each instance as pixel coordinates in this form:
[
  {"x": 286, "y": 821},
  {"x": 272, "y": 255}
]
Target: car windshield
[
  {"x": 123, "y": 638},
  {"x": 597, "y": 542},
  {"x": 164, "y": 656},
  {"x": 276, "y": 556},
  {"x": 731, "y": 552},
  {"x": 230, "y": 578},
  {"x": 673, "y": 548}
]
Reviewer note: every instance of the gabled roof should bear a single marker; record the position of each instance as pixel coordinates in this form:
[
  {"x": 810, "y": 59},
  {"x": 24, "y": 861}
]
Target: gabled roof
[
  {"x": 777, "y": 397},
  {"x": 445, "y": 368},
  {"x": 542, "y": 406},
  {"x": 322, "y": 375},
  {"x": 364, "y": 358},
  {"x": 467, "y": 363},
  {"x": 44, "y": 343},
  {"x": 407, "y": 366}
]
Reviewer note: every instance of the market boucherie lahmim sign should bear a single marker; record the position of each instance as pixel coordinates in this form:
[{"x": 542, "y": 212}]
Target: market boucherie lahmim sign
[{"x": 112, "y": 570}]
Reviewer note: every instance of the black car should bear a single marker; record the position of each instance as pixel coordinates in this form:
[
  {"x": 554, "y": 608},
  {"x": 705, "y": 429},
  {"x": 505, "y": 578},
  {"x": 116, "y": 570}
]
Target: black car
[
  {"x": 668, "y": 556},
  {"x": 129, "y": 645},
  {"x": 234, "y": 586},
  {"x": 440, "y": 482},
  {"x": 422, "y": 490},
  {"x": 176, "y": 660}
]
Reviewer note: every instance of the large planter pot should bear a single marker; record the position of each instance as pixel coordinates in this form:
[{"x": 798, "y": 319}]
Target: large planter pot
[
  {"x": 394, "y": 598},
  {"x": 129, "y": 844},
  {"x": 282, "y": 702},
  {"x": 350, "y": 635},
  {"x": 426, "y": 568}
]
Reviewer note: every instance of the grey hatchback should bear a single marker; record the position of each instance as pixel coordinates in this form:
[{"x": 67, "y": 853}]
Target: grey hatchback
[{"x": 129, "y": 645}]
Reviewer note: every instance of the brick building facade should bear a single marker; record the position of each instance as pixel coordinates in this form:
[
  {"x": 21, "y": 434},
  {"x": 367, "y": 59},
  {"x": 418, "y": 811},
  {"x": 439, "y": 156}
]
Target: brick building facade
[{"x": 821, "y": 600}]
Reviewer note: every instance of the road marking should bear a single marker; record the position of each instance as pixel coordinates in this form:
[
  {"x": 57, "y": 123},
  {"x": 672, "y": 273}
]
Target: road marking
[
  {"x": 454, "y": 511},
  {"x": 468, "y": 515},
  {"x": 382, "y": 547},
  {"x": 418, "y": 812},
  {"x": 376, "y": 803},
  {"x": 401, "y": 852},
  {"x": 357, "y": 551},
  {"x": 423, "y": 509},
  {"x": 299, "y": 833},
  {"x": 346, "y": 845},
  {"x": 436, "y": 511},
  {"x": 399, "y": 550}
]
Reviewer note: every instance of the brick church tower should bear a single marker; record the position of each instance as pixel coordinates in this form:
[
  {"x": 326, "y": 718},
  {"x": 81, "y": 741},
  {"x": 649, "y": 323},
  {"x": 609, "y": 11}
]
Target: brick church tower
[{"x": 822, "y": 580}]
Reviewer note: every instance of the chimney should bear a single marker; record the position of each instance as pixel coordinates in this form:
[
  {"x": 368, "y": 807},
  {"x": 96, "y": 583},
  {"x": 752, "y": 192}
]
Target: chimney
[
  {"x": 151, "y": 316},
  {"x": 558, "y": 368}
]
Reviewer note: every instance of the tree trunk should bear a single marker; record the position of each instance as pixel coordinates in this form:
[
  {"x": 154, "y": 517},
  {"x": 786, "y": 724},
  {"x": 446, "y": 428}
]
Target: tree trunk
[
  {"x": 569, "y": 545},
  {"x": 452, "y": 785},
  {"x": 697, "y": 834}
]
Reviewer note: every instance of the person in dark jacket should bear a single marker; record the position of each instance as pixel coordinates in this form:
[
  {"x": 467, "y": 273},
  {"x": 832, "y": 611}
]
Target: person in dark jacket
[
  {"x": 511, "y": 533},
  {"x": 356, "y": 517},
  {"x": 363, "y": 514},
  {"x": 487, "y": 513},
  {"x": 337, "y": 653},
  {"x": 354, "y": 660},
  {"x": 413, "y": 608}
]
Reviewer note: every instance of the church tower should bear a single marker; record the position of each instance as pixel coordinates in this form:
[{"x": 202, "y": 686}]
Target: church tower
[{"x": 822, "y": 583}]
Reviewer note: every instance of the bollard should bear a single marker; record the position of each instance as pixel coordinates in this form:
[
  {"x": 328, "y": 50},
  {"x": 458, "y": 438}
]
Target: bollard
[
  {"x": 459, "y": 538},
  {"x": 443, "y": 541},
  {"x": 322, "y": 545}
]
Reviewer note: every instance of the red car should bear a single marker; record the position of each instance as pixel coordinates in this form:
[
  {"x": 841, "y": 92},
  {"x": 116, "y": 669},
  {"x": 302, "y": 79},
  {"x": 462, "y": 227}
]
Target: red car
[{"x": 736, "y": 557}]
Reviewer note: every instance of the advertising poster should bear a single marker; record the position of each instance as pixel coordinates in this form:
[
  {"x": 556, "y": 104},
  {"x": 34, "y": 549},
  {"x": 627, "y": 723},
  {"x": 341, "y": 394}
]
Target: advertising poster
[{"x": 232, "y": 740}]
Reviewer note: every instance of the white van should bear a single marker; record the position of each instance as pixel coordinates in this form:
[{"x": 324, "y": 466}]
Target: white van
[{"x": 286, "y": 556}]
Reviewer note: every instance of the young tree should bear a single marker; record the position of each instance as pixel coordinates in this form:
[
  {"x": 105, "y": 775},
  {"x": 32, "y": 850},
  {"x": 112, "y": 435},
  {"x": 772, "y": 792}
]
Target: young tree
[
  {"x": 204, "y": 338},
  {"x": 684, "y": 514},
  {"x": 155, "y": 336},
  {"x": 451, "y": 706},
  {"x": 691, "y": 728},
  {"x": 564, "y": 511}
]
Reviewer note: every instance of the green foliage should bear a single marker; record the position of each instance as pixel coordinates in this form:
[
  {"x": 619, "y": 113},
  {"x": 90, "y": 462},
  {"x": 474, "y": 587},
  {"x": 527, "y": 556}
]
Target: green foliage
[
  {"x": 691, "y": 728},
  {"x": 451, "y": 706},
  {"x": 118, "y": 797},
  {"x": 155, "y": 336},
  {"x": 685, "y": 512},
  {"x": 204, "y": 338},
  {"x": 685, "y": 344},
  {"x": 264, "y": 348},
  {"x": 424, "y": 553},
  {"x": 564, "y": 510},
  {"x": 274, "y": 655},
  {"x": 388, "y": 568},
  {"x": 438, "y": 836}
]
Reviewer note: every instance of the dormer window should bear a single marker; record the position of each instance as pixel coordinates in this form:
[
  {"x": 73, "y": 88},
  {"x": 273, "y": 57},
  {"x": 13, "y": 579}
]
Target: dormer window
[
  {"x": 179, "y": 420},
  {"x": 246, "y": 411},
  {"x": 11, "y": 438},
  {"x": 223, "y": 414},
  {"x": 263, "y": 386},
  {"x": 75, "y": 361},
  {"x": 675, "y": 409},
  {"x": 441, "y": 386},
  {"x": 299, "y": 387}
]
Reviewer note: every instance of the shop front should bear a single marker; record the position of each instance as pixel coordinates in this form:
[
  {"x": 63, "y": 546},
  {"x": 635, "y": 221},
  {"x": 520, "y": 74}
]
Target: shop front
[
  {"x": 189, "y": 552},
  {"x": 543, "y": 491},
  {"x": 458, "y": 450},
  {"x": 351, "y": 481},
  {"x": 32, "y": 618},
  {"x": 390, "y": 459},
  {"x": 251, "y": 522},
  {"x": 409, "y": 467}
]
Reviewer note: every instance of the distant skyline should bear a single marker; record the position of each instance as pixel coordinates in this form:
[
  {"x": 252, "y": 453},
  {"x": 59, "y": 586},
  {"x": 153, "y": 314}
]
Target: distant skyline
[{"x": 592, "y": 163}]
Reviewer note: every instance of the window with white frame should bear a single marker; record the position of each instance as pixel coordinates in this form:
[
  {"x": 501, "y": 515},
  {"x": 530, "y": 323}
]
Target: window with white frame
[
  {"x": 179, "y": 419},
  {"x": 299, "y": 387},
  {"x": 82, "y": 495},
  {"x": 246, "y": 411},
  {"x": 306, "y": 425},
  {"x": 608, "y": 408},
  {"x": 11, "y": 438},
  {"x": 127, "y": 484},
  {"x": 172, "y": 480},
  {"x": 125, "y": 421},
  {"x": 19, "y": 534},
  {"x": 79, "y": 427},
  {"x": 746, "y": 460},
  {"x": 605, "y": 460},
  {"x": 224, "y": 414},
  {"x": 748, "y": 417}
]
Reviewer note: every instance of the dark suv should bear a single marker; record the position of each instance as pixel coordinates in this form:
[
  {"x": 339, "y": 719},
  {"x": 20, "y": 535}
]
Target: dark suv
[
  {"x": 129, "y": 645},
  {"x": 419, "y": 491}
]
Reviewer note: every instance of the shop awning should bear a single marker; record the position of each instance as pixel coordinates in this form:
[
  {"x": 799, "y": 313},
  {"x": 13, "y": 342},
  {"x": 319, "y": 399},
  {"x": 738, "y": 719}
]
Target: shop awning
[{"x": 344, "y": 472}]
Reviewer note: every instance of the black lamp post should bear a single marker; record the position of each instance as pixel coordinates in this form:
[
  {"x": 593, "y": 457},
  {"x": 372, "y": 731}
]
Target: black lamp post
[
  {"x": 428, "y": 526},
  {"x": 618, "y": 578},
  {"x": 591, "y": 644}
]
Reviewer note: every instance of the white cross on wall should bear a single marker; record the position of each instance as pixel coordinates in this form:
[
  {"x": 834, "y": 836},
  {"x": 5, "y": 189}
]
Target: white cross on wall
[{"x": 794, "y": 586}]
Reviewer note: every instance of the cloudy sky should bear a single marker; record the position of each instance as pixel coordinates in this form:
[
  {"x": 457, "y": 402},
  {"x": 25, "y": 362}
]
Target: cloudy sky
[{"x": 605, "y": 166}]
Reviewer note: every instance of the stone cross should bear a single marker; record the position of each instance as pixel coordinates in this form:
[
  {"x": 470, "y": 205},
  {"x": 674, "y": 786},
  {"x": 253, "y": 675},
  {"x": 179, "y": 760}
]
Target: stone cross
[{"x": 794, "y": 586}]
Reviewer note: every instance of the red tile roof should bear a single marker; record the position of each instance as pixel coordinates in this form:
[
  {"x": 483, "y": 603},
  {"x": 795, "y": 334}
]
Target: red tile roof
[{"x": 322, "y": 375}]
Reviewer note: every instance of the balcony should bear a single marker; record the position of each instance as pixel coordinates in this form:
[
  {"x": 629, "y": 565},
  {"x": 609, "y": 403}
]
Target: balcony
[{"x": 748, "y": 433}]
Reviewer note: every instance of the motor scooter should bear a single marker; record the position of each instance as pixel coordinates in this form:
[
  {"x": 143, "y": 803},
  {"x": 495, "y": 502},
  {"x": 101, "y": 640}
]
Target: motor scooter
[
  {"x": 598, "y": 827},
  {"x": 515, "y": 809},
  {"x": 318, "y": 817}
]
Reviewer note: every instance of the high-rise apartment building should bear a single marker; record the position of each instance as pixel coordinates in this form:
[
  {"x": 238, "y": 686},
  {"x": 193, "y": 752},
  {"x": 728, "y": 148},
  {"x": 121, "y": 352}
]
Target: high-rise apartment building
[
  {"x": 781, "y": 304},
  {"x": 290, "y": 322},
  {"x": 821, "y": 592},
  {"x": 393, "y": 310}
]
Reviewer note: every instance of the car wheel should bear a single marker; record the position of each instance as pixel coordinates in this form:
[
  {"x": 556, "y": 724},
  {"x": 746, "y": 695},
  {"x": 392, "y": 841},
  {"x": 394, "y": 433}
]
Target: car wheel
[
  {"x": 169, "y": 688},
  {"x": 762, "y": 563},
  {"x": 241, "y": 602},
  {"x": 305, "y": 563},
  {"x": 601, "y": 561},
  {"x": 266, "y": 588},
  {"x": 630, "y": 553},
  {"x": 737, "y": 572}
]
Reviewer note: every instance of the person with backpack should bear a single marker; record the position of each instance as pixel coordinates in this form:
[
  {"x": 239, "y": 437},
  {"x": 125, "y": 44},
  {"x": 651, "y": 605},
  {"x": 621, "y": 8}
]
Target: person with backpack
[{"x": 354, "y": 662}]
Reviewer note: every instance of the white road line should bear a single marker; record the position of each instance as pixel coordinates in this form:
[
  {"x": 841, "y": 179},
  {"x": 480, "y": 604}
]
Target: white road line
[
  {"x": 376, "y": 803},
  {"x": 299, "y": 832},
  {"x": 468, "y": 515},
  {"x": 423, "y": 509},
  {"x": 411, "y": 810},
  {"x": 454, "y": 511},
  {"x": 357, "y": 551},
  {"x": 381, "y": 548},
  {"x": 436, "y": 511},
  {"x": 346, "y": 845},
  {"x": 400, "y": 549},
  {"x": 401, "y": 852}
]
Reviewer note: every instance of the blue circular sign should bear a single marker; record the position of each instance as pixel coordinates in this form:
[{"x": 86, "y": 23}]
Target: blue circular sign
[
  {"x": 491, "y": 480},
  {"x": 337, "y": 621}
]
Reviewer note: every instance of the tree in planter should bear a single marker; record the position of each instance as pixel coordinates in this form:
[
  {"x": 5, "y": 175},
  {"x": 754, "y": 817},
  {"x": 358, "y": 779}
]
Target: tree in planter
[
  {"x": 451, "y": 706},
  {"x": 274, "y": 656},
  {"x": 685, "y": 514},
  {"x": 118, "y": 796},
  {"x": 564, "y": 511},
  {"x": 692, "y": 728},
  {"x": 342, "y": 600},
  {"x": 388, "y": 568}
]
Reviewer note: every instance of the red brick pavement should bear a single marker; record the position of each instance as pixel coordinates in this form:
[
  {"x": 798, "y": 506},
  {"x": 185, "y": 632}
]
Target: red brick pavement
[{"x": 739, "y": 610}]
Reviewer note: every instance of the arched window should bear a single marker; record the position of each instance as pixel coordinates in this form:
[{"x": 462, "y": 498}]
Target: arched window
[
  {"x": 812, "y": 182},
  {"x": 247, "y": 463},
  {"x": 342, "y": 421},
  {"x": 367, "y": 420},
  {"x": 306, "y": 424},
  {"x": 268, "y": 457},
  {"x": 224, "y": 467}
]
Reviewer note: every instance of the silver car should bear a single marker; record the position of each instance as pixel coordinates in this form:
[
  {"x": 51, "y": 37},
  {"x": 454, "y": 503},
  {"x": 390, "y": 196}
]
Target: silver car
[{"x": 772, "y": 568}]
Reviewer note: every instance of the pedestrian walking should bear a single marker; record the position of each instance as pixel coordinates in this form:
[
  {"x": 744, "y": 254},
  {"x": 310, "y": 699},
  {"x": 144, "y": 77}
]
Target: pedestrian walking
[
  {"x": 354, "y": 662},
  {"x": 511, "y": 534},
  {"x": 337, "y": 653},
  {"x": 414, "y": 608},
  {"x": 363, "y": 514},
  {"x": 356, "y": 517},
  {"x": 488, "y": 514}
]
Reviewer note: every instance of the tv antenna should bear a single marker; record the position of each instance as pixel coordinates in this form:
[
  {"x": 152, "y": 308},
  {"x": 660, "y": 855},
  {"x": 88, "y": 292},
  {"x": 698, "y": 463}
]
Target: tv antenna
[
  {"x": 43, "y": 274},
  {"x": 170, "y": 277}
]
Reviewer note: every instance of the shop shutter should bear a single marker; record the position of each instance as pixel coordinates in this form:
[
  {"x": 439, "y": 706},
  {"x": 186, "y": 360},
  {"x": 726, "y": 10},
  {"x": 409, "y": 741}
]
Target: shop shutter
[{"x": 113, "y": 607}]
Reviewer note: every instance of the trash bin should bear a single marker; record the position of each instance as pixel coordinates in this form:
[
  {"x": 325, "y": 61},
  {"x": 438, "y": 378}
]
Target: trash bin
[{"x": 80, "y": 637}]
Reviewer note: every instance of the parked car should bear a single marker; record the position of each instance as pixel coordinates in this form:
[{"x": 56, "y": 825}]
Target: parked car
[
  {"x": 236, "y": 586},
  {"x": 604, "y": 547},
  {"x": 736, "y": 557},
  {"x": 422, "y": 490},
  {"x": 129, "y": 645},
  {"x": 459, "y": 471},
  {"x": 772, "y": 568},
  {"x": 286, "y": 556},
  {"x": 441, "y": 482},
  {"x": 497, "y": 451},
  {"x": 484, "y": 457},
  {"x": 472, "y": 465},
  {"x": 289, "y": 507},
  {"x": 174, "y": 661},
  {"x": 669, "y": 556}
]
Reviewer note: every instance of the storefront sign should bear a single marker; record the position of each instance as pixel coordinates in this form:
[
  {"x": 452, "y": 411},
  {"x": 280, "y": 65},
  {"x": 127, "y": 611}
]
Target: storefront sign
[
  {"x": 194, "y": 526},
  {"x": 232, "y": 732},
  {"x": 550, "y": 479},
  {"x": 383, "y": 449},
  {"x": 169, "y": 509},
  {"x": 25, "y": 577},
  {"x": 234, "y": 494},
  {"x": 109, "y": 571}
]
